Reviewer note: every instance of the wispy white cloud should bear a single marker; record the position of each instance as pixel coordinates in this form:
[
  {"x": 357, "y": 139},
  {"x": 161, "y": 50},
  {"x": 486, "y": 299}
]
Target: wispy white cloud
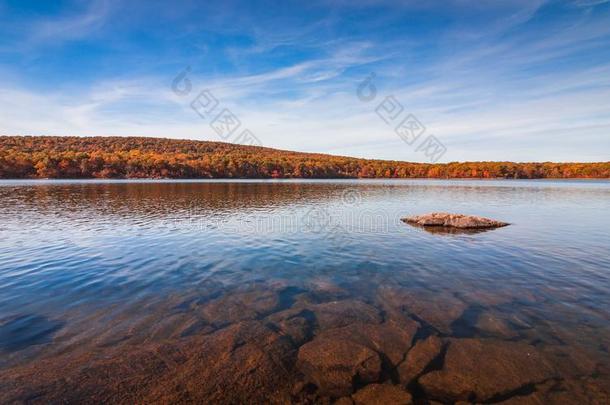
[
  {"x": 45, "y": 31},
  {"x": 546, "y": 124},
  {"x": 487, "y": 90},
  {"x": 588, "y": 3},
  {"x": 71, "y": 26}
]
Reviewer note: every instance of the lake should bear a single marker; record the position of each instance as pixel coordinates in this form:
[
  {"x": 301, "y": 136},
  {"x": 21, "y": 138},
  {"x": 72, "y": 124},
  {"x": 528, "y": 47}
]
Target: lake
[{"x": 303, "y": 291}]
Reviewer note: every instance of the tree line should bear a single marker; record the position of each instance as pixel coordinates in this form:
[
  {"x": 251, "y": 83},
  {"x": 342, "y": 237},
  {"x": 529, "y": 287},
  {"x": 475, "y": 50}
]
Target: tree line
[{"x": 137, "y": 157}]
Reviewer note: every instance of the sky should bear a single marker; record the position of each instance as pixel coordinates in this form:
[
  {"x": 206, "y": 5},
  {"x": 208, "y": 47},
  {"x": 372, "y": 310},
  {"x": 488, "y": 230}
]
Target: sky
[{"x": 518, "y": 80}]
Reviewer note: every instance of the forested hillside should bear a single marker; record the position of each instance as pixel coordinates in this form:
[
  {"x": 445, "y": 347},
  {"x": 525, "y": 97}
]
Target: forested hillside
[{"x": 122, "y": 157}]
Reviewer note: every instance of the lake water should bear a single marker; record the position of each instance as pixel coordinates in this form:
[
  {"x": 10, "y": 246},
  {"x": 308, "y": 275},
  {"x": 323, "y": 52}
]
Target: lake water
[{"x": 95, "y": 273}]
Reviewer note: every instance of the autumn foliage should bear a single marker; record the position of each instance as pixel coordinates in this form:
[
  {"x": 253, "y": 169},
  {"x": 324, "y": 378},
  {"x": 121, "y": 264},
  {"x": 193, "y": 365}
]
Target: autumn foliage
[{"x": 122, "y": 157}]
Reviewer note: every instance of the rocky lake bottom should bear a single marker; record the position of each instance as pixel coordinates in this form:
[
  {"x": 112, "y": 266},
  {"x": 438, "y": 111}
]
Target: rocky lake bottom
[{"x": 303, "y": 292}]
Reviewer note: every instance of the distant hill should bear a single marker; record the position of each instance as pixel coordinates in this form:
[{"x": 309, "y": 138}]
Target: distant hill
[{"x": 136, "y": 157}]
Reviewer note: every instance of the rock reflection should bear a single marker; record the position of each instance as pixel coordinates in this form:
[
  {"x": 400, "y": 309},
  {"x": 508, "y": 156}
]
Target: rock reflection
[{"x": 449, "y": 231}]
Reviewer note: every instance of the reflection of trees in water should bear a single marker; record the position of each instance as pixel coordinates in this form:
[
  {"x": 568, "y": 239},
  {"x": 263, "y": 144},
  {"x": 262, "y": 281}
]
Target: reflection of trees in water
[
  {"x": 136, "y": 201},
  {"x": 178, "y": 202}
]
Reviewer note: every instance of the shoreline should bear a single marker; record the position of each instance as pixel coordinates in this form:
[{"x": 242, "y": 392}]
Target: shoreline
[{"x": 289, "y": 180}]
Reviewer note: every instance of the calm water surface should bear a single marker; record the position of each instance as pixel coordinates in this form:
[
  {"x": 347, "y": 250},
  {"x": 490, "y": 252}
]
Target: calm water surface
[{"x": 100, "y": 264}]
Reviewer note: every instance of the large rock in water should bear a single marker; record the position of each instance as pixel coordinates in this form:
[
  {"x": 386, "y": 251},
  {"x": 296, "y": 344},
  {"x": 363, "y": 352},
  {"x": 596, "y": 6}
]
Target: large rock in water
[{"x": 453, "y": 221}]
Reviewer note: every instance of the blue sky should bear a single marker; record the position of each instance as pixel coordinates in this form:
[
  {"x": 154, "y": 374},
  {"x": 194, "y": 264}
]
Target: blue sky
[{"x": 522, "y": 80}]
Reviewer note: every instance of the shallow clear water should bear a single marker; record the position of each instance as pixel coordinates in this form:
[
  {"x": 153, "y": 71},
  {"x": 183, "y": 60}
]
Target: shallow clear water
[{"x": 98, "y": 264}]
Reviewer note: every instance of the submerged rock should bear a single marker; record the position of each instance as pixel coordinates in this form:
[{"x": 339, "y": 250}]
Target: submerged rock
[
  {"x": 439, "y": 309},
  {"x": 418, "y": 358},
  {"x": 388, "y": 339},
  {"x": 334, "y": 365},
  {"x": 248, "y": 362},
  {"x": 244, "y": 363},
  {"x": 580, "y": 391},
  {"x": 344, "y": 401},
  {"x": 442, "y": 219},
  {"x": 342, "y": 313},
  {"x": 486, "y": 369},
  {"x": 240, "y": 306},
  {"x": 382, "y": 394},
  {"x": 492, "y": 323}
]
